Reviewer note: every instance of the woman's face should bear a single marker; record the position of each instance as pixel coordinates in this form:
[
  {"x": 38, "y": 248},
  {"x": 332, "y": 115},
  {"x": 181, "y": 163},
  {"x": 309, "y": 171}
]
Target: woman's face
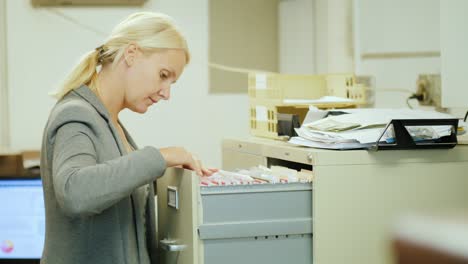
[{"x": 149, "y": 77}]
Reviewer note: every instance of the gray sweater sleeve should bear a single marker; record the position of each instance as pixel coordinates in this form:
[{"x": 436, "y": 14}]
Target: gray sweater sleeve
[{"x": 84, "y": 187}]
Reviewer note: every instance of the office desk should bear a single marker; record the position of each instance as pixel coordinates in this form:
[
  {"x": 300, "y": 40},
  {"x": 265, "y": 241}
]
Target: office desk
[{"x": 358, "y": 194}]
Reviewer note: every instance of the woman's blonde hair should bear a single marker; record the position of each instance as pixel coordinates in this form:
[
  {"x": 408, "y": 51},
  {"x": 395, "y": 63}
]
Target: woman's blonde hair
[{"x": 148, "y": 30}]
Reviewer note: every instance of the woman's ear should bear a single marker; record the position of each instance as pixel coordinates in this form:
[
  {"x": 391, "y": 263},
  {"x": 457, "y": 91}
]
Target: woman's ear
[{"x": 130, "y": 54}]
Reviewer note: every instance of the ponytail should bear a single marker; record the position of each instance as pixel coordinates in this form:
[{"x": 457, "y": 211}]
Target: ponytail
[{"x": 83, "y": 73}]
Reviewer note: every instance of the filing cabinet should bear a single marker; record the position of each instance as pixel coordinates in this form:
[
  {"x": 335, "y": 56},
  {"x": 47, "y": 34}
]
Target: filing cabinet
[
  {"x": 261, "y": 223},
  {"x": 344, "y": 216}
]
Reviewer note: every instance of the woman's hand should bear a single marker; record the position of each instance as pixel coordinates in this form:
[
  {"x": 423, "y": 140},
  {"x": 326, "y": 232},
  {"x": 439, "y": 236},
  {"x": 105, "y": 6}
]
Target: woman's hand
[{"x": 179, "y": 157}]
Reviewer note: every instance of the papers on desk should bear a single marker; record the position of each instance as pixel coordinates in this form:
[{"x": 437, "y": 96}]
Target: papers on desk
[
  {"x": 361, "y": 128},
  {"x": 299, "y": 141},
  {"x": 365, "y": 118}
]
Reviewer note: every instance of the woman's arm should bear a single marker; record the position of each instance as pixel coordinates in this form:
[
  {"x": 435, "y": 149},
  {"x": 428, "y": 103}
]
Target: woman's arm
[{"x": 83, "y": 187}]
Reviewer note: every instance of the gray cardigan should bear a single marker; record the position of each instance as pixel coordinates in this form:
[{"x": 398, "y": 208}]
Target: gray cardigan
[{"x": 91, "y": 187}]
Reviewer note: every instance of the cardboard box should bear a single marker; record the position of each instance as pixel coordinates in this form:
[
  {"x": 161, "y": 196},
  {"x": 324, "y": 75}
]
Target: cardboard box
[{"x": 16, "y": 163}]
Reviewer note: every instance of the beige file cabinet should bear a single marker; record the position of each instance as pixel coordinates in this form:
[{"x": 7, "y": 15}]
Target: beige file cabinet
[
  {"x": 356, "y": 198},
  {"x": 358, "y": 195},
  {"x": 177, "y": 222},
  {"x": 249, "y": 224}
]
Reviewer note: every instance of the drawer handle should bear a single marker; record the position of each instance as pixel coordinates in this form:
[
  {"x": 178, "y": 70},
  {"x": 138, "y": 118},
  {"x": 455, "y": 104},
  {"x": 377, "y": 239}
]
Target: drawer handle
[
  {"x": 286, "y": 153},
  {"x": 170, "y": 245},
  {"x": 240, "y": 145}
]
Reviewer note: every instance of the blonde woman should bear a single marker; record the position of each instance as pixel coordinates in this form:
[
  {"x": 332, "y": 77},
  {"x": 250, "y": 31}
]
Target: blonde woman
[{"x": 97, "y": 183}]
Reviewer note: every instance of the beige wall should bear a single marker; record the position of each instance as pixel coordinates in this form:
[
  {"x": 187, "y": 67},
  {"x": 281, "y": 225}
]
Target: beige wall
[
  {"x": 243, "y": 34},
  {"x": 394, "y": 41},
  {"x": 454, "y": 53},
  {"x": 43, "y": 47},
  {"x": 390, "y": 40},
  {"x": 4, "y": 137},
  {"x": 296, "y": 33},
  {"x": 333, "y": 36},
  {"x": 321, "y": 36}
]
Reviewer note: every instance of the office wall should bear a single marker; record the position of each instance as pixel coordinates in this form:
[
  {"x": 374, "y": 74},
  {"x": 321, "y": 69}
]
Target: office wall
[
  {"x": 43, "y": 47},
  {"x": 242, "y": 34},
  {"x": 315, "y": 36},
  {"x": 3, "y": 91},
  {"x": 454, "y": 43},
  {"x": 339, "y": 36},
  {"x": 395, "y": 41},
  {"x": 296, "y": 33}
]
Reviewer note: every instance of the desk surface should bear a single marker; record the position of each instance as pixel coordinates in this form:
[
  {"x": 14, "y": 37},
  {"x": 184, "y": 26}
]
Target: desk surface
[{"x": 313, "y": 156}]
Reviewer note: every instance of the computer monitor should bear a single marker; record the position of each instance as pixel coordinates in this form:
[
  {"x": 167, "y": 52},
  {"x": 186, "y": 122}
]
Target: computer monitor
[{"x": 22, "y": 220}]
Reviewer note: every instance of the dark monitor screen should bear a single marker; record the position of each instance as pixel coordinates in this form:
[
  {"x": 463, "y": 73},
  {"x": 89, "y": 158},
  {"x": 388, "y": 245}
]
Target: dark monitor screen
[{"x": 22, "y": 220}]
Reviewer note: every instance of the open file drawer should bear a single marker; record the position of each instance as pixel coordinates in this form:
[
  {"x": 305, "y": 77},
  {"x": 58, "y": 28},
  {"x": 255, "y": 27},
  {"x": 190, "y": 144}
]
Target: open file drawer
[{"x": 264, "y": 223}]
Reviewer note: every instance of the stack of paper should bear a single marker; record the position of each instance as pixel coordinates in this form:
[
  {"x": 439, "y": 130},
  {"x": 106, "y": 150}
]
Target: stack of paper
[{"x": 361, "y": 128}]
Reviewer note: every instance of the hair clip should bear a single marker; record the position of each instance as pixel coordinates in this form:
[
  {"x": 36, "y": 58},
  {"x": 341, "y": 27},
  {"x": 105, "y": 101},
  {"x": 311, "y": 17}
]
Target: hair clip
[{"x": 101, "y": 51}]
